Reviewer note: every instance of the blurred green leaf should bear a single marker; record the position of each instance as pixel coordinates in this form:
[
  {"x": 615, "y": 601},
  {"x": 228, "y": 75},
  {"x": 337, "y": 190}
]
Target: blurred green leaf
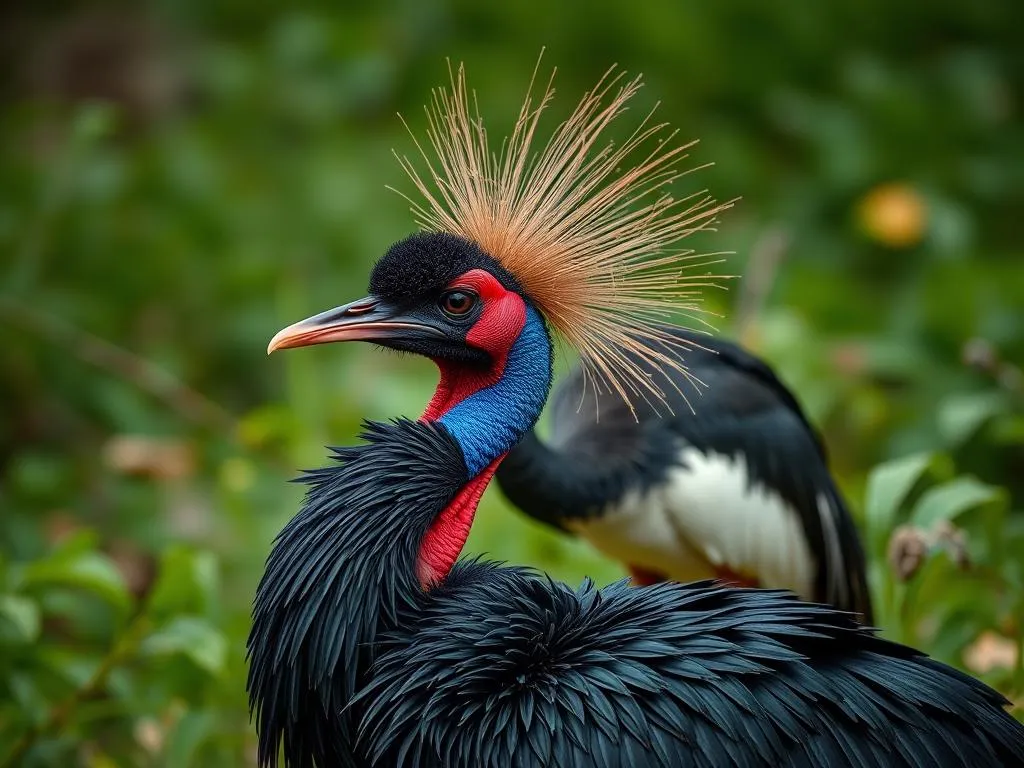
[
  {"x": 187, "y": 583},
  {"x": 1009, "y": 430},
  {"x": 25, "y": 691},
  {"x": 194, "y": 638},
  {"x": 961, "y": 415},
  {"x": 22, "y": 615},
  {"x": 187, "y": 737},
  {"x": 70, "y": 665},
  {"x": 85, "y": 570},
  {"x": 895, "y": 357},
  {"x": 93, "y": 121},
  {"x": 888, "y": 487},
  {"x": 947, "y": 501},
  {"x": 39, "y": 475}
]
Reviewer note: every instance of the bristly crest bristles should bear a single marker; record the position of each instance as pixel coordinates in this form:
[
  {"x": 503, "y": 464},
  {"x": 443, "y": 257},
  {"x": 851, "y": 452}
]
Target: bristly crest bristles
[{"x": 592, "y": 241}]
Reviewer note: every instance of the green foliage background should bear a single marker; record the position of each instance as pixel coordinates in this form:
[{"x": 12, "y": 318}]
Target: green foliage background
[{"x": 178, "y": 180}]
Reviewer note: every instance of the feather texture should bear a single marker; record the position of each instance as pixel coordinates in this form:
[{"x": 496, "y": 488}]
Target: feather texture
[
  {"x": 354, "y": 664},
  {"x": 351, "y": 664},
  {"x": 743, "y": 482},
  {"x": 587, "y": 226},
  {"x": 340, "y": 570},
  {"x": 502, "y": 667}
]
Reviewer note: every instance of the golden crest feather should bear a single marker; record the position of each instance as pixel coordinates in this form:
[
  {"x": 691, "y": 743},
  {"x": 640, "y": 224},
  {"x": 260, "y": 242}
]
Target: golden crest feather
[{"x": 593, "y": 241}]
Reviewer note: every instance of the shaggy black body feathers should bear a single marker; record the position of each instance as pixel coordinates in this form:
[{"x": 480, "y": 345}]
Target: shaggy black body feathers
[
  {"x": 505, "y": 668},
  {"x": 352, "y": 664},
  {"x": 339, "y": 572}
]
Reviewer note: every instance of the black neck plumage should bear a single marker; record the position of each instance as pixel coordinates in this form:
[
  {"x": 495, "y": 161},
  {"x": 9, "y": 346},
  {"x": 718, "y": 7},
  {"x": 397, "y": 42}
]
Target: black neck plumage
[
  {"x": 553, "y": 485},
  {"x": 341, "y": 571},
  {"x": 344, "y": 568}
]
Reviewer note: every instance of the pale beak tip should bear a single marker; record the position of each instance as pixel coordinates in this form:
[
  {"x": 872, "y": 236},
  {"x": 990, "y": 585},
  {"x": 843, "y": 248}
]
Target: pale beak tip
[{"x": 275, "y": 343}]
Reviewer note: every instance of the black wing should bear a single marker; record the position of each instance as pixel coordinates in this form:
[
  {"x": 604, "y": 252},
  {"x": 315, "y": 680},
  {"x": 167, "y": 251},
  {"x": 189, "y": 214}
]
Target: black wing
[
  {"x": 503, "y": 668},
  {"x": 599, "y": 449}
]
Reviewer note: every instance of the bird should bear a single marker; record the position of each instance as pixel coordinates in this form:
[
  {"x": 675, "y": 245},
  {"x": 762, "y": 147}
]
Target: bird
[
  {"x": 373, "y": 643},
  {"x": 731, "y": 483}
]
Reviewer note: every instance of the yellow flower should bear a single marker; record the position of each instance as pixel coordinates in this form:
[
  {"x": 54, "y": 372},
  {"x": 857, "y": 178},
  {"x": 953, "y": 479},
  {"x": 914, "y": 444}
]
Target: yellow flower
[{"x": 893, "y": 214}]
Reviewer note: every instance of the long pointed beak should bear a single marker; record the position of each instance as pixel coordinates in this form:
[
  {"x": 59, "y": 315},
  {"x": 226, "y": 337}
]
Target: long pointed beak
[{"x": 369, "y": 319}]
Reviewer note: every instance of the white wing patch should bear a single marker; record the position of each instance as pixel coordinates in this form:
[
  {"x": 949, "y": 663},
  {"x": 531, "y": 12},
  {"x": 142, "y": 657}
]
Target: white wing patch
[
  {"x": 708, "y": 514},
  {"x": 639, "y": 531}
]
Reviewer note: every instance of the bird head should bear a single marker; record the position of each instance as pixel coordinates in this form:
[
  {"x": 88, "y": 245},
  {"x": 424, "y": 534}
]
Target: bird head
[
  {"x": 582, "y": 233},
  {"x": 432, "y": 294},
  {"x": 580, "y": 238}
]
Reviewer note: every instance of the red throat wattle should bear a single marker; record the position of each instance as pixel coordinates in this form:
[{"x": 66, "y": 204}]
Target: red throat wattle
[
  {"x": 447, "y": 535},
  {"x": 499, "y": 325}
]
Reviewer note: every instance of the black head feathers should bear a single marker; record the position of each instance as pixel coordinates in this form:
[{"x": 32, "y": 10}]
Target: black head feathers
[{"x": 429, "y": 261}]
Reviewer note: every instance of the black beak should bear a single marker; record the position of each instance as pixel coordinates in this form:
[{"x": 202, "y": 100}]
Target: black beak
[{"x": 369, "y": 319}]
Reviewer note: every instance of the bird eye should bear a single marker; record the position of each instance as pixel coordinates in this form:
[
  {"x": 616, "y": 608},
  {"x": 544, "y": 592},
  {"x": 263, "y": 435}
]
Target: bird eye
[{"x": 457, "y": 303}]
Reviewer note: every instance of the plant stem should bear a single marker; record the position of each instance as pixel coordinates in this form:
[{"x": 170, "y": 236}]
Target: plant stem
[
  {"x": 126, "y": 365},
  {"x": 132, "y": 369},
  {"x": 765, "y": 257}
]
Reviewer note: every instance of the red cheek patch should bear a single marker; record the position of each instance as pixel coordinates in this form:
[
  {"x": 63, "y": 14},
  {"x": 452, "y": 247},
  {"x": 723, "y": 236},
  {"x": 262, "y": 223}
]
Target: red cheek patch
[{"x": 498, "y": 327}]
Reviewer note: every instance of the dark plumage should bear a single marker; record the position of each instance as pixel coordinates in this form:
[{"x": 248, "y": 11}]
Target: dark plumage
[
  {"x": 355, "y": 660},
  {"x": 337, "y": 576},
  {"x": 429, "y": 261},
  {"x": 372, "y": 647},
  {"x": 502, "y": 667},
  {"x": 505, "y": 668},
  {"x": 767, "y": 451}
]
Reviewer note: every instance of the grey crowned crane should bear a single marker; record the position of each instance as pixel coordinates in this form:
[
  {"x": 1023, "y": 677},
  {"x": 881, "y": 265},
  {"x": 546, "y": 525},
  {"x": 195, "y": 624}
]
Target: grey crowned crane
[
  {"x": 373, "y": 644},
  {"x": 738, "y": 489}
]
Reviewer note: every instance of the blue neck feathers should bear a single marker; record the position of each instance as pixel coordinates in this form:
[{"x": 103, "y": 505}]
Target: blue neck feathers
[{"x": 489, "y": 422}]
